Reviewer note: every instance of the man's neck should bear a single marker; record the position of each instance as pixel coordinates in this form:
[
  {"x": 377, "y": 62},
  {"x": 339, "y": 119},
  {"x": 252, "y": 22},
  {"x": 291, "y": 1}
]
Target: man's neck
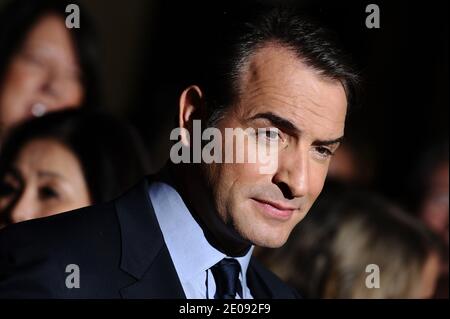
[{"x": 191, "y": 186}]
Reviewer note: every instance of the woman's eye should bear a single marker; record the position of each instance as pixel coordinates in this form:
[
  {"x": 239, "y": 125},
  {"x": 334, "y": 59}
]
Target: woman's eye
[
  {"x": 48, "y": 193},
  {"x": 7, "y": 189}
]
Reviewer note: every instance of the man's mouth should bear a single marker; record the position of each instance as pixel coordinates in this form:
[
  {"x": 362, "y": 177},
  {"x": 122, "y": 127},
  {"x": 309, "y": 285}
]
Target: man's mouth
[{"x": 275, "y": 209}]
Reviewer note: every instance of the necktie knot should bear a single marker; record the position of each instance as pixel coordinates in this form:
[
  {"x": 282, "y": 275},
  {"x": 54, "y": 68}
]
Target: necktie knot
[{"x": 226, "y": 275}]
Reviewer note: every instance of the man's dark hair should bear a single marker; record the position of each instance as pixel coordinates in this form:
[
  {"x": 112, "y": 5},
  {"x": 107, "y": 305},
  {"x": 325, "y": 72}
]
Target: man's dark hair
[{"x": 240, "y": 32}]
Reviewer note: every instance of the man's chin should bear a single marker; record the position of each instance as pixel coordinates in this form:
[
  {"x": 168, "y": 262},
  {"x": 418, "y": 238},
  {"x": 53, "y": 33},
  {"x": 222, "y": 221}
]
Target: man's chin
[
  {"x": 268, "y": 242},
  {"x": 261, "y": 232}
]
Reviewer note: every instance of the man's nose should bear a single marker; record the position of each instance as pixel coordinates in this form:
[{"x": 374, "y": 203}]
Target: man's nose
[
  {"x": 292, "y": 175},
  {"x": 24, "y": 208}
]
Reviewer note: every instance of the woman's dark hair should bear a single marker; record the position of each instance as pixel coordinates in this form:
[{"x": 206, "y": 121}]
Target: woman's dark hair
[
  {"x": 111, "y": 154},
  {"x": 17, "y": 19}
]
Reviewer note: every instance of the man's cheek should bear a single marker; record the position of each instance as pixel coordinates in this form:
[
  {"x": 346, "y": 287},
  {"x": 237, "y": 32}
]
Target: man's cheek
[
  {"x": 246, "y": 172},
  {"x": 317, "y": 181}
]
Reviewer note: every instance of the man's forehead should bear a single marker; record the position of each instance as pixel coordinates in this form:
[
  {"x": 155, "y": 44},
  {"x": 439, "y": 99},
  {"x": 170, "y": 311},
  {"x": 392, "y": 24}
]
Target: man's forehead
[
  {"x": 272, "y": 61},
  {"x": 275, "y": 79}
]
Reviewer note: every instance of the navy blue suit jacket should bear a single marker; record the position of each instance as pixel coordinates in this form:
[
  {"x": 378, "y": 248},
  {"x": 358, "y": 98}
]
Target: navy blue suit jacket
[{"x": 118, "y": 247}]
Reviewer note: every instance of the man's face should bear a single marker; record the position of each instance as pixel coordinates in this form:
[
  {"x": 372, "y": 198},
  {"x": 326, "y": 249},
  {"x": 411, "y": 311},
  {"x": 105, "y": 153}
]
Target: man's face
[{"x": 279, "y": 91}]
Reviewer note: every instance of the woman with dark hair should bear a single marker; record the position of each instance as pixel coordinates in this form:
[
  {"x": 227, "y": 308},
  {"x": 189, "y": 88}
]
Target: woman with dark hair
[
  {"x": 44, "y": 66},
  {"x": 66, "y": 160}
]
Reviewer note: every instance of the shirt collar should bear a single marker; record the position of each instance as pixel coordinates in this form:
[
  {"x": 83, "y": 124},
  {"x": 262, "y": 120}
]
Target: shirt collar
[{"x": 191, "y": 253}]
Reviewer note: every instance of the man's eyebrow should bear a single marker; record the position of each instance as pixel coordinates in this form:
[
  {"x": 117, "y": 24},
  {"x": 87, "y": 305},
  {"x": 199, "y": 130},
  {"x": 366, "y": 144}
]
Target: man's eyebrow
[
  {"x": 329, "y": 142},
  {"x": 288, "y": 125},
  {"x": 277, "y": 121}
]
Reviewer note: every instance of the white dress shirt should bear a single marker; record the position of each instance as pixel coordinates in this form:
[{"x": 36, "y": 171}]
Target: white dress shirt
[{"x": 191, "y": 253}]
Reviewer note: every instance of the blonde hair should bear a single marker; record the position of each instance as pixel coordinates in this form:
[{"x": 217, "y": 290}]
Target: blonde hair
[
  {"x": 328, "y": 253},
  {"x": 399, "y": 272}
]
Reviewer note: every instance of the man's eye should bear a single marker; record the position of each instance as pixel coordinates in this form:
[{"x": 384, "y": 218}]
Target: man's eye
[
  {"x": 323, "y": 152},
  {"x": 48, "y": 193},
  {"x": 270, "y": 134}
]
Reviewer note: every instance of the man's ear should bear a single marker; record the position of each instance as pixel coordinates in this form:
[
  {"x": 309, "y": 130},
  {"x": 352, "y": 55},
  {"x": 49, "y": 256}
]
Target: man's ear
[{"x": 191, "y": 107}]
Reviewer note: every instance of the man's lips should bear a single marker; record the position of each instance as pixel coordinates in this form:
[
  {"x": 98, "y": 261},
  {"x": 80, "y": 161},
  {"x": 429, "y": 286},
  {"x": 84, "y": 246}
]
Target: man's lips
[{"x": 275, "y": 209}]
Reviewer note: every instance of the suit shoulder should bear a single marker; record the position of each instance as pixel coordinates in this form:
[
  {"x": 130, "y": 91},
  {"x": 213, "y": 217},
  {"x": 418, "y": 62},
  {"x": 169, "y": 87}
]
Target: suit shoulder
[
  {"x": 57, "y": 227},
  {"x": 34, "y": 254},
  {"x": 278, "y": 287},
  {"x": 75, "y": 233}
]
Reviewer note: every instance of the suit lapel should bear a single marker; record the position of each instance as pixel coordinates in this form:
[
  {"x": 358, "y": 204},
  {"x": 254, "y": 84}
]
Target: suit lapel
[
  {"x": 146, "y": 258},
  {"x": 144, "y": 253},
  {"x": 256, "y": 284},
  {"x": 159, "y": 282},
  {"x": 263, "y": 284}
]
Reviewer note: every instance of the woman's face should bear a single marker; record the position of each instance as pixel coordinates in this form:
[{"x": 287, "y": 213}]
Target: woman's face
[
  {"x": 46, "y": 179},
  {"x": 42, "y": 76}
]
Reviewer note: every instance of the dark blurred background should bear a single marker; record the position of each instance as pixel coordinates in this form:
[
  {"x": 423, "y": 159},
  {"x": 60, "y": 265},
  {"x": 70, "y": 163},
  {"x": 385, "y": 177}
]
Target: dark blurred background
[
  {"x": 396, "y": 142},
  {"x": 148, "y": 49}
]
